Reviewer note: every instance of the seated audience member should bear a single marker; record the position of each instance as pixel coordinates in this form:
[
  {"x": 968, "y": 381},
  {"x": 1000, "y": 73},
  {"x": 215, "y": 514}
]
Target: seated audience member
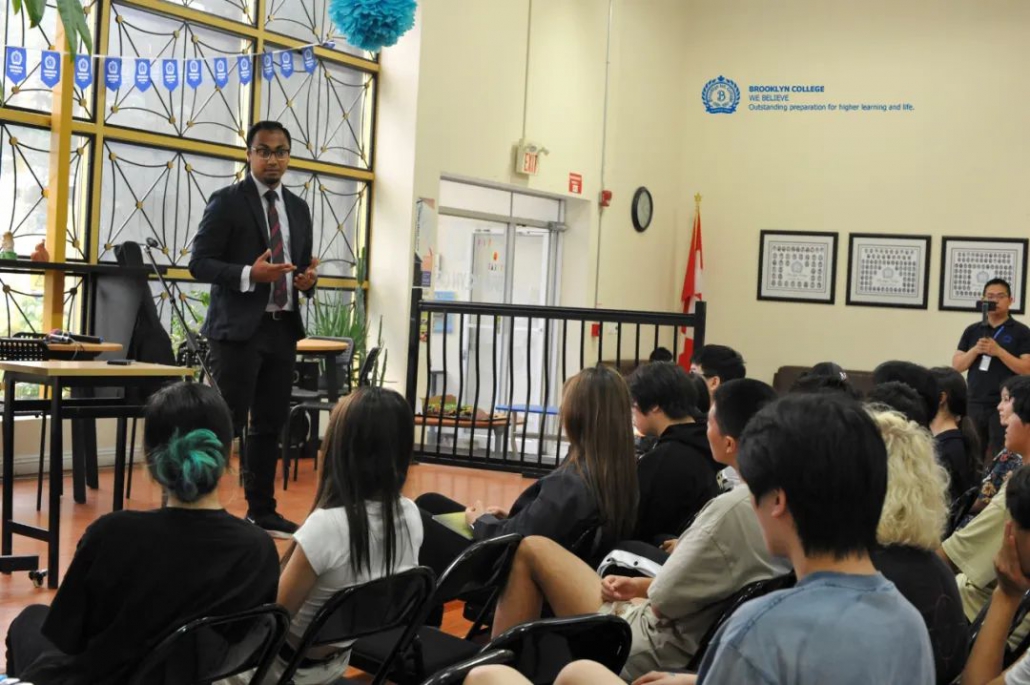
[
  {"x": 971, "y": 551},
  {"x": 913, "y": 517},
  {"x": 958, "y": 446},
  {"x": 900, "y": 397},
  {"x": 136, "y": 575},
  {"x": 1012, "y": 563},
  {"x": 718, "y": 554},
  {"x": 916, "y": 377},
  {"x": 704, "y": 397},
  {"x": 660, "y": 354},
  {"x": 1000, "y": 468},
  {"x": 595, "y": 487},
  {"x": 717, "y": 364},
  {"x": 361, "y": 527},
  {"x": 817, "y": 471},
  {"x": 825, "y": 377},
  {"x": 677, "y": 476}
]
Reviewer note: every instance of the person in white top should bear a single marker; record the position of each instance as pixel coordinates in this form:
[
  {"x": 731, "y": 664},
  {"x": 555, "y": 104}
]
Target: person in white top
[
  {"x": 1012, "y": 562},
  {"x": 360, "y": 528}
]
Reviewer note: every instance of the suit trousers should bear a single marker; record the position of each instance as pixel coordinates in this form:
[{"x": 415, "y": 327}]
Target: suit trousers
[{"x": 256, "y": 378}]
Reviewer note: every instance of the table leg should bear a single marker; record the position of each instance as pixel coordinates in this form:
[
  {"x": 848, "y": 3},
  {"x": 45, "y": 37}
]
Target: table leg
[
  {"x": 331, "y": 377},
  {"x": 79, "y": 460},
  {"x": 8, "y": 495},
  {"x": 56, "y": 477},
  {"x": 119, "y": 465}
]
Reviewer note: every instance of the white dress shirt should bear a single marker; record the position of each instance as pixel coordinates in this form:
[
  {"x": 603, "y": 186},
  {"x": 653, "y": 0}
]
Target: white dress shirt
[{"x": 284, "y": 228}]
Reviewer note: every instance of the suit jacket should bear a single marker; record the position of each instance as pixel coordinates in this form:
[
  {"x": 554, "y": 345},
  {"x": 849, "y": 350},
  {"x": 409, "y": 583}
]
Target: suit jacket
[{"x": 233, "y": 233}]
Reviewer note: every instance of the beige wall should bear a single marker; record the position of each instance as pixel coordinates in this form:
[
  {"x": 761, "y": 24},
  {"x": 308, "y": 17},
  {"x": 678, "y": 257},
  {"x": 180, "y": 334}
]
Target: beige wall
[{"x": 956, "y": 165}]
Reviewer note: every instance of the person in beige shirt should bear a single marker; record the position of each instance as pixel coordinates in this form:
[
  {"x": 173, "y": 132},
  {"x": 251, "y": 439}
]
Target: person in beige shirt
[{"x": 722, "y": 551}]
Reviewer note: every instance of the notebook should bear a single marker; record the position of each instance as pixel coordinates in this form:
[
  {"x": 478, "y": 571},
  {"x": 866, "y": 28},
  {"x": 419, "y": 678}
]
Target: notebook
[{"x": 455, "y": 522}]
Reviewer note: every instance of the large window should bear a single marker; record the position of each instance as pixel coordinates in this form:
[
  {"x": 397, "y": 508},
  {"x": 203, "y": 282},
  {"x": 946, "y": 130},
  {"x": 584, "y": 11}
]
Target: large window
[{"x": 143, "y": 164}]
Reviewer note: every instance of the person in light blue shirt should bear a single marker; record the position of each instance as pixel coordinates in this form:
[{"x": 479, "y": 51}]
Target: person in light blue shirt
[{"x": 817, "y": 470}]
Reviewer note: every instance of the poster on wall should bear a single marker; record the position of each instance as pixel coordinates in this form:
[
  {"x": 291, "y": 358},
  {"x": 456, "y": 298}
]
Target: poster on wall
[
  {"x": 888, "y": 270},
  {"x": 967, "y": 264},
  {"x": 797, "y": 266}
]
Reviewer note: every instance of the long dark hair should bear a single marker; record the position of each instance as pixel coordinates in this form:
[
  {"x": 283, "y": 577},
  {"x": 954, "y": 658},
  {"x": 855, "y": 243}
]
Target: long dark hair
[
  {"x": 368, "y": 448},
  {"x": 952, "y": 385},
  {"x": 597, "y": 415}
]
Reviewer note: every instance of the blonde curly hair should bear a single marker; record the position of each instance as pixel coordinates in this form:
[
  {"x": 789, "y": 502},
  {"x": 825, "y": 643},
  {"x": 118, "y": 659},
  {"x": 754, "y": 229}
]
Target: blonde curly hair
[{"x": 915, "y": 509}]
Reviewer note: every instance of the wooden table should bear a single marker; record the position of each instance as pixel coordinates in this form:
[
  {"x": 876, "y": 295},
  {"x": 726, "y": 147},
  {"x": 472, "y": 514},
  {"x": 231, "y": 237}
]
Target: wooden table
[{"x": 58, "y": 375}]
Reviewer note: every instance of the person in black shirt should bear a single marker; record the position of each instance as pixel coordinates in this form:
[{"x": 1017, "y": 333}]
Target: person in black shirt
[
  {"x": 677, "y": 476},
  {"x": 991, "y": 354},
  {"x": 958, "y": 446},
  {"x": 136, "y": 575}
]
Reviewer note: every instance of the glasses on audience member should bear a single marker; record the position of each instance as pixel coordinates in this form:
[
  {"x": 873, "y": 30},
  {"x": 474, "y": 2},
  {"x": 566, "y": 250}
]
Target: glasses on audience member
[{"x": 266, "y": 153}]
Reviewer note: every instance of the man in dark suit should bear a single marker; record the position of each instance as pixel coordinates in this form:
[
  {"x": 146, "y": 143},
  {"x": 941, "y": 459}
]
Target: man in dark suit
[{"x": 254, "y": 246}]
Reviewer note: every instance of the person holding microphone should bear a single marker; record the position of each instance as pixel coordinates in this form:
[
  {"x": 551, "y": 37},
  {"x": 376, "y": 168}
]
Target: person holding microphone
[{"x": 992, "y": 351}]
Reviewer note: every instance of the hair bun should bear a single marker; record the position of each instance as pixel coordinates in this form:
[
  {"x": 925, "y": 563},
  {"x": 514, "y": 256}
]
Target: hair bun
[{"x": 190, "y": 465}]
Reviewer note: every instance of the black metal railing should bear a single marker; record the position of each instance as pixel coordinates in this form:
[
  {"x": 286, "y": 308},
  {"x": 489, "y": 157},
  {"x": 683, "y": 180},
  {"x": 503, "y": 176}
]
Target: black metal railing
[{"x": 485, "y": 380}]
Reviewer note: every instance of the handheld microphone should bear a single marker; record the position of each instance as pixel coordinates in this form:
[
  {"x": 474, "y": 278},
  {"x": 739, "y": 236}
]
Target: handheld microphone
[{"x": 985, "y": 307}]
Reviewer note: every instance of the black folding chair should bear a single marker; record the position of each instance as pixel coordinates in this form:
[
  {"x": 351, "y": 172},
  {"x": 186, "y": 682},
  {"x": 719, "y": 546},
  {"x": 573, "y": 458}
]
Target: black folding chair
[
  {"x": 745, "y": 594},
  {"x": 1011, "y": 655},
  {"x": 960, "y": 508},
  {"x": 480, "y": 571},
  {"x": 21, "y": 348},
  {"x": 385, "y": 604},
  {"x": 543, "y": 648},
  {"x": 210, "y": 649},
  {"x": 457, "y": 673}
]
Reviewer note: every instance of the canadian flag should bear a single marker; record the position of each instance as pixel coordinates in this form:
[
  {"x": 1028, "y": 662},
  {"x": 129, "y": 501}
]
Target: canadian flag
[{"x": 692, "y": 287}]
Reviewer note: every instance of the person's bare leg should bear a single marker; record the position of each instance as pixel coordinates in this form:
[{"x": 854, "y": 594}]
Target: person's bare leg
[
  {"x": 587, "y": 673},
  {"x": 495, "y": 675},
  {"x": 544, "y": 570}
]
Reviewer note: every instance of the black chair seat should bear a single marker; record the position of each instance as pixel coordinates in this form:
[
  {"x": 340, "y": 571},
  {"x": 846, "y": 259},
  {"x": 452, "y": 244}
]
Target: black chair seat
[
  {"x": 439, "y": 650},
  {"x": 302, "y": 395}
]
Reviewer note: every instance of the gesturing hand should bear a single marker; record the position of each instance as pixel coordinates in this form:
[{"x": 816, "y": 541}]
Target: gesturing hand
[
  {"x": 306, "y": 279},
  {"x": 474, "y": 512},
  {"x": 265, "y": 271}
]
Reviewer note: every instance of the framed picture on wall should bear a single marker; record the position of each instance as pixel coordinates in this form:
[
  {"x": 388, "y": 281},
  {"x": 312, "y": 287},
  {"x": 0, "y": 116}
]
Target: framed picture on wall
[
  {"x": 968, "y": 263},
  {"x": 797, "y": 266},
  {"x": 888, "y": 270}
]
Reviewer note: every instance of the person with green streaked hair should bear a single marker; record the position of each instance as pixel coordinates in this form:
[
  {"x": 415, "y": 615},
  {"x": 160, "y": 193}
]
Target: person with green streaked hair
[{"x": 136, "y": 575}]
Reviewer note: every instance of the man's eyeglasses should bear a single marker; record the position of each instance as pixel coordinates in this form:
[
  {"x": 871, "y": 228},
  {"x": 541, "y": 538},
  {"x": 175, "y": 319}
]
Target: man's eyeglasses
[
  {"x": 265, "y": 153},
  {"x": 994, "y": 297}
]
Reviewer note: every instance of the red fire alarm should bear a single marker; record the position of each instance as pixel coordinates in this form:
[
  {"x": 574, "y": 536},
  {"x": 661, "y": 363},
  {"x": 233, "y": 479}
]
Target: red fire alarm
[
  {"x": 606, "y": 198},
  {"x": 595, "y": 330}
]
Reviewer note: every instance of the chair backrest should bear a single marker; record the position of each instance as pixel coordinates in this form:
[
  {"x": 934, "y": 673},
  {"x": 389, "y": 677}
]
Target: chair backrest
[
  {"x": 376, "y": 606},
  {"x": 23, "y": 349},
  {"x": 482, "y": 566},
  {"x": 1021, "y": 613},
  {"x": 745, "y": 594},
  {"x": 543, "y": 648},
  {"x": 960, "y": 507},
  {"x": 365, "y": 373},
  {"x": 456, "y": 674},
  {"x": 210, "y": 649}
]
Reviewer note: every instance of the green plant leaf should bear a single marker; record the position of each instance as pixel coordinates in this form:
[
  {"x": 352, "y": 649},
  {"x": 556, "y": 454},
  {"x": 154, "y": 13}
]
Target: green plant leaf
[
  {"x": 74, "y": 19},
  {"x": 34, "y": 8}
]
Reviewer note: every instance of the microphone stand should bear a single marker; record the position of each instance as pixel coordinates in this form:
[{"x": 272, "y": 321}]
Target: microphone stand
[{"x": 191, "y": 340}]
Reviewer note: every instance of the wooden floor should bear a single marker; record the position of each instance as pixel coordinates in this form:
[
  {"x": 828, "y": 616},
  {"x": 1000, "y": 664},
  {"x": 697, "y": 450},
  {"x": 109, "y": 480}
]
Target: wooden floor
[{"x": 17, "y": 591}]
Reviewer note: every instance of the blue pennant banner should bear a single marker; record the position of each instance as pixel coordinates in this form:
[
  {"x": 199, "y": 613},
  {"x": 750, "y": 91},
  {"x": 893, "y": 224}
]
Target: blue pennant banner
[
  {"x": 246, "y": 68},
  {"x": 194, "y": 73},
  {"x": 83, "y": 71},
  {"x": 143, "y": 74},
  {"x": 15, "y": 64},
  {"x": 221, "y": 72},
  {"x": 267, "y": 66},
  {"x": 170, "y": 73},
  {"x": 50, "y": 68},
  {"x": 113, "y": 72},
  {"x": 309, "y": 59},
  {"x": 286, "y": 63}
]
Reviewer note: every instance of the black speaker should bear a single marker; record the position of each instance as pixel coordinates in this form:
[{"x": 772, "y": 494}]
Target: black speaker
[{"x": 305, "y": 375}]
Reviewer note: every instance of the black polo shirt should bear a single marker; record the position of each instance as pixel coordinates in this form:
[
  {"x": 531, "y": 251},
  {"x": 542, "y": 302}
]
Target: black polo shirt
[{"x": 985, "y": 386}]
